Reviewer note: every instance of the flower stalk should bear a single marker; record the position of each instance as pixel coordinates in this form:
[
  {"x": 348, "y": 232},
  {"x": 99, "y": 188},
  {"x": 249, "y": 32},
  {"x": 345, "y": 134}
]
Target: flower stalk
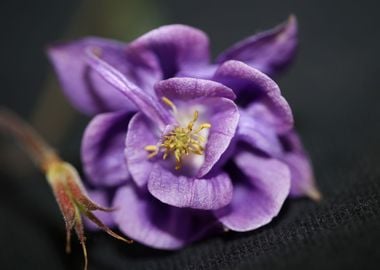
[{"x": 63, "y": 178}]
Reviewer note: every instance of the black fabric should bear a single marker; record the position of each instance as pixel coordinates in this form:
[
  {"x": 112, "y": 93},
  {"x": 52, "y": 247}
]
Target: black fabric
[{"x": 333, "y": 89}]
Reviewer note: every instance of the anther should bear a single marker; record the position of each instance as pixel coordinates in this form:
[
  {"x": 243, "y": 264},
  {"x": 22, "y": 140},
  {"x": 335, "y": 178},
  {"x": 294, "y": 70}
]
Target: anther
[
  {"x": 153, "y": 149},
  {"x": 170, "y": 104}
]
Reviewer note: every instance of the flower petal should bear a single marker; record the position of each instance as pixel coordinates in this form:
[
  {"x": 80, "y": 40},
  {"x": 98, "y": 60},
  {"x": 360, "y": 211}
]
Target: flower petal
[
  {"x": 178, "y": 190},
  {"x": 258, "y": 198},
  {"x": 103, "y": 149},
  {"x": 185, "y": 89},
  {"x": 86, "y": 90},
  {"x": 302, "y": 175},
  {"x": 143, "y": 100},
  {"x": 270, "y": 51},
  {"x": 203, "y": 72},
  {"x": 224, "y": 119},
  {"x": 148, "y": 221},
  {"x": 258, "y": 134},
  {"x": 172, "y": 48},
  {"x": 251, "y": 85},
  {"x": 140, "y": 134}
]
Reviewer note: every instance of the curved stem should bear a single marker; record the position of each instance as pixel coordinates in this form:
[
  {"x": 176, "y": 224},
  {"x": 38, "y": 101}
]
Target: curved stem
[{"x": 41, "y": 153}]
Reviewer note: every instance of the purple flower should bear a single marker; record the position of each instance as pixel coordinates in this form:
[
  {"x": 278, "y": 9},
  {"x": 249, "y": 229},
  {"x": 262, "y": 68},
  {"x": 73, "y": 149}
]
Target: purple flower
[
  {"x": 191, "y": 147},
  {"x": 170, "y": 148}
]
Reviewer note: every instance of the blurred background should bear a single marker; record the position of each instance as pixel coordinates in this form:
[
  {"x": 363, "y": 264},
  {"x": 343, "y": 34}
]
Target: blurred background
[{"x": 333, "y": 88}]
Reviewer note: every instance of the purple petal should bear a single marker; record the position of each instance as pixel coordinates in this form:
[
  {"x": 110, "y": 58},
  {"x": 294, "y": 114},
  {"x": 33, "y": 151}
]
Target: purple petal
[
  {"x": 140, "y": 134},
  {"x": 250, "y": 85},
  {"x": 148, "y": 221},
  {"x": 103, "y": 149},
  {"x": 172, "y": 48},
  {"x": 303, "y": 181},
  {"x": 186, "y": 89},
  {"x": 258, "y": 134},
  {"x": 270, "y": 51},
  {"x": 86, "y": 90},
  {"x": 100, "y": 197},
  {"x": 203, "y": 72},
  {"x": 291, "y": 142},
  {"x": 144, "y": 101},
  {"x": 224, "y": 119},
  {"x": 262, "y": 113},
  {"x": 182, "y": 191},
  {"x": 302, "y": 176},
  {"x": 258, "y": 198}
]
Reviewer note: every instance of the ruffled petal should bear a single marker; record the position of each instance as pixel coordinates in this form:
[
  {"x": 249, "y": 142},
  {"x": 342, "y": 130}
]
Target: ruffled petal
[
  {"x": 258, "y": 134},
  {"x": 103, "y": 149},
  {"x": 204, "y": 72},
  {"x": 172, "y": 48},
  {"x": 143, "y": 100},
  {"x": 178, "y": 190},
  {"x": 251, "y": 85},
  {"x": 186, "y": 89},
  {"x": 270, "y": 51},
  {"x": 86, "y": 90},
  {"x": 148, "y": 221},
  {"x": 263, "y": 114},
  {"x": 303, "y": 182},
  {"x": 224, "y": 119},
  {"x": 140, "y": 134},
  {"x": 302, "y": 175},
  {"x": 258, "y": 198}
]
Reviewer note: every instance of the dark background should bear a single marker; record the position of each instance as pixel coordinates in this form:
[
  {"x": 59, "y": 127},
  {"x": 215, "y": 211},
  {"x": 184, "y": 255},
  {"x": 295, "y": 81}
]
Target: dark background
[{"x": 333, "y": 89}]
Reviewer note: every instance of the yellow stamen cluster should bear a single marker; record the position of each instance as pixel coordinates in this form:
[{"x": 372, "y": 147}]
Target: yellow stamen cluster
[{"x": 181, "y": 140}]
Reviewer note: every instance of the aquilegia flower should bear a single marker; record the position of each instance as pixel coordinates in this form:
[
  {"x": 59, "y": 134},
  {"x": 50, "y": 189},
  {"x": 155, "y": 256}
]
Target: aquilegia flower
[{"x": 191, "y": 147}]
